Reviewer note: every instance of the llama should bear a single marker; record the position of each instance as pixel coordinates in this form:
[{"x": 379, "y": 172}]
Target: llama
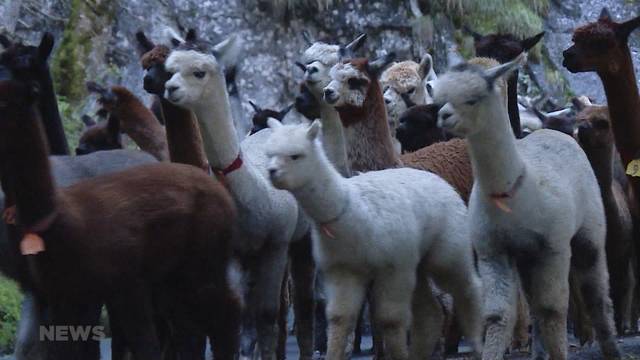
[
  {"x": 404, "y": 85},
  {"x": 595, "y": 138},
  {"x": 53, "y": 224},
  {"x": 615, "y": 69},
  {"x": 418, "y": 128},
  {"x": 423, "y": 243},
  {"x": 136, "y": 120},
  {"x": 269, "y": 218},
  {"x": 183, "y": 135},
  {"x": 31, "y": 63},
  {"x": 504, "y": 48},
  {"x": 524, "y": 220},
  {"x": 262, "y": 115}
]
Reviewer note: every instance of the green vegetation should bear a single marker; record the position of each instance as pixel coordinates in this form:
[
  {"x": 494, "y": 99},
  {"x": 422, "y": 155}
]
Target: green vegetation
[
  {"x": 10, "y": 299},
  {"x": 70, "y": 121}
]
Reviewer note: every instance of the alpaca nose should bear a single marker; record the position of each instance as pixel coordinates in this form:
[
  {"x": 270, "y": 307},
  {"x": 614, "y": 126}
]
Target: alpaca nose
[
  {"x": 312, "y": 69},
  {"x": 387, "y": 101},
  {"x": 445, "y": 116},
  {"x": 171, "y": 89},
  {"x": 272, "y": 173},
  {"x": 330, "y": 96}
]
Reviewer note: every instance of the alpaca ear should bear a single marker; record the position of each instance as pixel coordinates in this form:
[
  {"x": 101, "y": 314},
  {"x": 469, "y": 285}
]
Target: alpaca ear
[
  {"x": 505, "y": 69},
  {"x": 255, "y": 107},
  {"x": 378, "y": 65},
  {"x": 273, "y": 123},
  {"x": 356, "y": 44},
  {"x": 95, "y": 88},
  {"x": 426, "y": 66},
  {"x": 284, "y": 112},
  {"x": 302, "y": 66},
  {"x": 605, "y": 14},
  {"x": 627, "y": 27},
  {"x": 175, "y": 42},
  {"x": 191, "y": 35},
  {"x": 527, "y": 44},
  {"x": 307, "y": 37},
  {"x": 144, "y": 44},
  {"x": 314, "y": 130},
  {"x": 581, "y": 102},
  {"x": 4, "y": 41},
  {"x": 227, "y": 51},
  {"x": 476, "y": 36},
  {"x": 88, "y": 121},
  {"x": 542, "y": 116},
  {"x": 46, "y": 45}
]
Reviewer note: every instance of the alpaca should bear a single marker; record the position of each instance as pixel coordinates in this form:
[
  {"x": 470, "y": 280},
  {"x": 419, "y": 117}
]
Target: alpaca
[
  {"x": 269, "y": 218},
  {"x": 350, "y": 256},
  {"x": 183, "y": 135},
  {"x": 563, "y": 120},
  {"x": 602, "y": 47},
  {"x": 403, "y": 86},
  {"x": 418, "y": 128},
  {"x": 504, "y": 48},
  {"x": 262, "y": 115},
  {"x": 595, "y": 138},
  {"x": 534, "y": 213},
  {"x": 136, "y": 120},
  {"x": 104, "y": 135},
  {"x": 53, "y": 224},
  {"x": 30, "y": 63},
  {"x": 306, "y": 103}
]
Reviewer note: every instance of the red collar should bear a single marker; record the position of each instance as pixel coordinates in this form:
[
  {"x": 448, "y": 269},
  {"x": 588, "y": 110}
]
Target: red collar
[
  {"x": 235, "y": 165},
  {"x": 499, "y": 198}
]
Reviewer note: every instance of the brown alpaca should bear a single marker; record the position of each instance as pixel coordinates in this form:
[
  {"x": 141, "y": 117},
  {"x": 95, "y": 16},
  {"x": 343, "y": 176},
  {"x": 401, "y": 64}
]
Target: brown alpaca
[
  {"x": 104, "y": 135},
  {"x": 116, "y": 238},
  {"x": 183, "y": 134},
  {"x": 594, "y": 135},
  {"x": 136, "y": 120},
  {"x": 602, "y": 47}
]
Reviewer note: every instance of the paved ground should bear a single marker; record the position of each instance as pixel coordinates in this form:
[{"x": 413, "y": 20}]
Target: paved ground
[{"x": 629, "y": 345}]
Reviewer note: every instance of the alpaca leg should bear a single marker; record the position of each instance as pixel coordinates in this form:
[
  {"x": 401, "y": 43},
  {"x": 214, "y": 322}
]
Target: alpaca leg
[
  {"x": 521, "y": 329},
  {"x": 500, "y": 290},
  {"x": 427, "y": 321},
  {"x": 345, "y": 293},
  {"x": 545, "y": 279},
  {"x": 28, "y": 344},
  {"x": 589, "y": 261},
  {"x": 320, "y": 315},
  {"x": 225, "y": 335},
  {"x": 303, "y": 275},
  {"x": 392, "y": 293},
  {"x": 270, "y": 271},
  {"x": 77, "y": 342},
  {"x": 281, "y": 351}
]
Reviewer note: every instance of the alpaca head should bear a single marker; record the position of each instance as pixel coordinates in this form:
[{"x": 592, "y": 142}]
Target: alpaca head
[
  {"x": 261, "y": 116},
  {"x": 600, "y": 46},
  {"x": 294, "y": 152},
  {"x": 469, "y": 96},
  {"x": 103, "y": 135},
  {"x": 352, "y": 79},
  {"x": 320, "y": 57},
  {"x": 419, "y": 127},
  {"x": 152, "y": 59},
  {"x": 193, "y": 71},
  {"x": 15, "y": 97},
  {"x": 24, "y": 62},
  {"x": 502, "y": 47},
  {"x": 307, "y": 104},
  {"x": 404, "y": 85},
  {"x": 594, "y": 127}
]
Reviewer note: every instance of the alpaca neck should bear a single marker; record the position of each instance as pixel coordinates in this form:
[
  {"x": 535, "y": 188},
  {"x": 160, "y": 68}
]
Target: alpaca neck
[
  {"x": 624, "y": 107},
  {"x": 601, "y": 159},
  {"x": 512, "y": 101},
  {"x": 48, "y": 106},
  {"x": 494, "y": 157},
  {"x": 216, "y": 125},
  {"x": 325, "y": 196},
  {"x": 183, "y": 135},
  {"x": 369, "y": 144},
  {"x": 139, "y": 123},
  {"x": 28, "y": 168},
  {"x": 333, "y": 138}
]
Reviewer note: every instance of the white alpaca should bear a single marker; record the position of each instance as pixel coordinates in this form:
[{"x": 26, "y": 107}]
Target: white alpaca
[
  {"x": 404, "y": 84},
  {"x": 535, "y": 209},
  {"x": 268, "y": 218},
  {"x": 318, "y": 60},
  {"x": 391, "y": 229}
]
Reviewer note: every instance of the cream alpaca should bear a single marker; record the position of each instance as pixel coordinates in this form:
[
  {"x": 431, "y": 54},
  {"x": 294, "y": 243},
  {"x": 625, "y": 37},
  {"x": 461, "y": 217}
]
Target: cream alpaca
[
  {"x": 268, "y": 218},
  {"x": 393, "y": 229},
  {"x": 404, "y": 85},
  {"x": 535, "y": 211}
]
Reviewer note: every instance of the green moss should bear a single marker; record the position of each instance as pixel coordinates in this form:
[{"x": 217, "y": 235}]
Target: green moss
[
  {"x": 71, "y": 121},
  {"x": 10, "y": 299},
  {"x": 68, "y": 70}
]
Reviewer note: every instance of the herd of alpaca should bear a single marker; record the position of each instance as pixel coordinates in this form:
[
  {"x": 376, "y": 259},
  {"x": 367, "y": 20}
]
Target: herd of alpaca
[{"x": 415, "y": 192}]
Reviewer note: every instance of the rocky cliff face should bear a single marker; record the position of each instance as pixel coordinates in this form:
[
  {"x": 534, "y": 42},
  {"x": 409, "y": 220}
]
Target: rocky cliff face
[{"x": 95, "y": 38}]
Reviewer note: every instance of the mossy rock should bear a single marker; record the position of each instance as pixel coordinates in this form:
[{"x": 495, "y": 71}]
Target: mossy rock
[{"x": 10, "y": 300}]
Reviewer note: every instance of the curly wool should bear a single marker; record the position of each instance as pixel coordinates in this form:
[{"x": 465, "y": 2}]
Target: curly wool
[
  {"x": 157, "y": 55},
  {"x": 401, "y": 76}
]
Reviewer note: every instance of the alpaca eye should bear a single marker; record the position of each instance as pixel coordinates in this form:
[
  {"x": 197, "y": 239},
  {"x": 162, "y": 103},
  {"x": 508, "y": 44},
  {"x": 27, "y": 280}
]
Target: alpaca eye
[
  {"x": 199, "y": 74},
  {"x": 411, "y": 91},
  {"x": 295, "y": 157},
  {"x": 355, "y": 83},
  {"x": 471, "y": 102}
]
